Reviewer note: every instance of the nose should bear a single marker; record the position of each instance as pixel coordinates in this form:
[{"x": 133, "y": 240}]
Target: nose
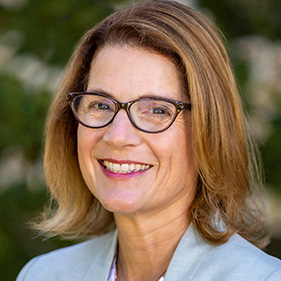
[{"x": 121, "y": 132}]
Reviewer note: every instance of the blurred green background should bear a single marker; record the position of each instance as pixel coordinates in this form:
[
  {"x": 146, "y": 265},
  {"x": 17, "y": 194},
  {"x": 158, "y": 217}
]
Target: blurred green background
[{"x": 37, "y": 38}]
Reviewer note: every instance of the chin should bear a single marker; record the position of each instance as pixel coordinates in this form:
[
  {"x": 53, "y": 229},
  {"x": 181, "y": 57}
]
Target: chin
[{"x": 124, "y": 207}]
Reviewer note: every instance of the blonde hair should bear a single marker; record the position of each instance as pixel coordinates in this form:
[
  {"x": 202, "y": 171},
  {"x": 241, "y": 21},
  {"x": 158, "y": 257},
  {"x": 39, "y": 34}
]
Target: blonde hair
[{"x": 228, "y": 170}]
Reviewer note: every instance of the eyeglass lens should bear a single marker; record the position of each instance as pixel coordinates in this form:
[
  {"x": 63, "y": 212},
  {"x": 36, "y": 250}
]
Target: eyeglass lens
[{"x": 147, "y": 114}]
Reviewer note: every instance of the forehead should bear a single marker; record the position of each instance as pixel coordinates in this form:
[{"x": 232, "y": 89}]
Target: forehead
[{"x": 129, "y": 72}]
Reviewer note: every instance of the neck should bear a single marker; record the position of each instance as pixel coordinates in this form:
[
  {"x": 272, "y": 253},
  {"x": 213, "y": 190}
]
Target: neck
[{"x": 147, "y": 243}]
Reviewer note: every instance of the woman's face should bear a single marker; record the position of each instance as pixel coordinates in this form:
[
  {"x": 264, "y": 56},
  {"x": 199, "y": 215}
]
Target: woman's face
[{"x": 166, "y": 172}]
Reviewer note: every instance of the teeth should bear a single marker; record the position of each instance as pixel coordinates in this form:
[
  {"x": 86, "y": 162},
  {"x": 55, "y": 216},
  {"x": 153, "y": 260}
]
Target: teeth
[
  {"x": 132, "y": 167},
  {"x": 116, "y": 167},
  {"x": 124, "y": 168}
]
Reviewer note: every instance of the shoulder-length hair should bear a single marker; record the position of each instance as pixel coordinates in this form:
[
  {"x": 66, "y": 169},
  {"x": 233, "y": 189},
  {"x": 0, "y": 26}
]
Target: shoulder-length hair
[{"x": 222, "y": 142}]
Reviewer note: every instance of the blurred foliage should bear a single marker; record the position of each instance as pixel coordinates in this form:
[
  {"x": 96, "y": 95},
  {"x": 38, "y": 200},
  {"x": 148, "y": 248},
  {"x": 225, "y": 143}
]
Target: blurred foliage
[
  {"x": 17, "y": 205},
  {"x": 271, "y": 153},
  {"x": 238, "y": 18},
  {"x": 22, "y": 117},
  {"x": 47, "y": 31},
  {"x": 259, "y": 18},
  {"x": 52, "y": 28}
]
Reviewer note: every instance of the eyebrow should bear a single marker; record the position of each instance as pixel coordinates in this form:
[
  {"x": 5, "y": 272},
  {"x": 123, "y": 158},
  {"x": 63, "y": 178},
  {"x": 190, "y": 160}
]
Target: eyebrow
[{"x": 100, "y": 91}]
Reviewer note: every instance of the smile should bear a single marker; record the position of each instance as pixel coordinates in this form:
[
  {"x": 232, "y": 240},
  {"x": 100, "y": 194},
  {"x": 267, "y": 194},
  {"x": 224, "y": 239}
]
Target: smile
[{"x": 124, "y": 168}]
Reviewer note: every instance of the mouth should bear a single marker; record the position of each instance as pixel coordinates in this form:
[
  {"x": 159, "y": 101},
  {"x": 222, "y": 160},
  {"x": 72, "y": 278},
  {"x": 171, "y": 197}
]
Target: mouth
[{"x": 124, "y": 168}]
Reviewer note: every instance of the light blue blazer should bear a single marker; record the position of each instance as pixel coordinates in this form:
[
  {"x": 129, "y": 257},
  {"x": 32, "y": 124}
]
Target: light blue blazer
[{"x": 194, "y": 259}]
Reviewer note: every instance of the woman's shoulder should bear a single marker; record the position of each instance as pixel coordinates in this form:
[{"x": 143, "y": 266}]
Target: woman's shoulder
[
  {"x": 241, "y": 250},
  {"x": 71, "y": 263},
  {"x": 238, "y": 259}
]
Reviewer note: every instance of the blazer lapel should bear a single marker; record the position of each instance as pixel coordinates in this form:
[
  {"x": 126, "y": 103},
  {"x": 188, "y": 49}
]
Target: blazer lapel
[
  {"x": 187, "y": 257},
  {"x": 102, "y": 260}
]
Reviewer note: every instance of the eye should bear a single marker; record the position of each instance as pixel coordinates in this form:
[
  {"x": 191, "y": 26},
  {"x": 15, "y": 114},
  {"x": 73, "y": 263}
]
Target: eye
[
  {"x": 149, "y": 108},
  {"x": 159, "y": 111},
  {"x": 100, "y": 106}
]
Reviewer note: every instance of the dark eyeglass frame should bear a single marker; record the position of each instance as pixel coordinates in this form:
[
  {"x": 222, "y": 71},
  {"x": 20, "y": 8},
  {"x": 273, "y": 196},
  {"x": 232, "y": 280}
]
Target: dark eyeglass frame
[{"x": 126, "y": 106}]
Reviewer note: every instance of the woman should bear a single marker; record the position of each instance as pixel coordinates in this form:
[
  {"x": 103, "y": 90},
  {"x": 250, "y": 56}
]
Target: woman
[{"x": 153, "y": 157}]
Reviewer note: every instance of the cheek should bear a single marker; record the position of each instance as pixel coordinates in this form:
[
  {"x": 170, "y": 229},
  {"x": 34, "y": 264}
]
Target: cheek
[
  {"x": 82, "y": 143},
  {"x": 83, "y": 151},
  {"x": 86, "y": 141},
  {"x": 175, "y": 151},
  {"x": 181, "y": 140},
  {"x": 183, "y": 156},
  {"x": 177, "y": 172}
]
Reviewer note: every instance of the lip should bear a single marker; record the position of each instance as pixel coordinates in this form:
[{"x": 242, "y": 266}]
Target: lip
[{"x": 122, "y": 175}]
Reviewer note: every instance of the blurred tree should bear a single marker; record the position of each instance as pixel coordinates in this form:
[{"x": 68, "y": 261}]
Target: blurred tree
[
  {"x": 36, "y": 40},
  {"x": 52, "y": 28},
  {"x": 237, "y": 18},
  {"x": 271, "y": 152},
  {"x": 253, "y": 30},
  {"x": 258, "y": 22}
]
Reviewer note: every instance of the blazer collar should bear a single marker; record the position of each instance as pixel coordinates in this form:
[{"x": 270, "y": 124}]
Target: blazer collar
[
  {"x": 102, "y": 258},
  {"x": 187, "y": 257},
  {"x": 185, "y": 261}
]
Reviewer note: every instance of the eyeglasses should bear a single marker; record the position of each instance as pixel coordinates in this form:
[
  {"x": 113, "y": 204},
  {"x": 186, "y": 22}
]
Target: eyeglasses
[{"x": 148, "y": 114}]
